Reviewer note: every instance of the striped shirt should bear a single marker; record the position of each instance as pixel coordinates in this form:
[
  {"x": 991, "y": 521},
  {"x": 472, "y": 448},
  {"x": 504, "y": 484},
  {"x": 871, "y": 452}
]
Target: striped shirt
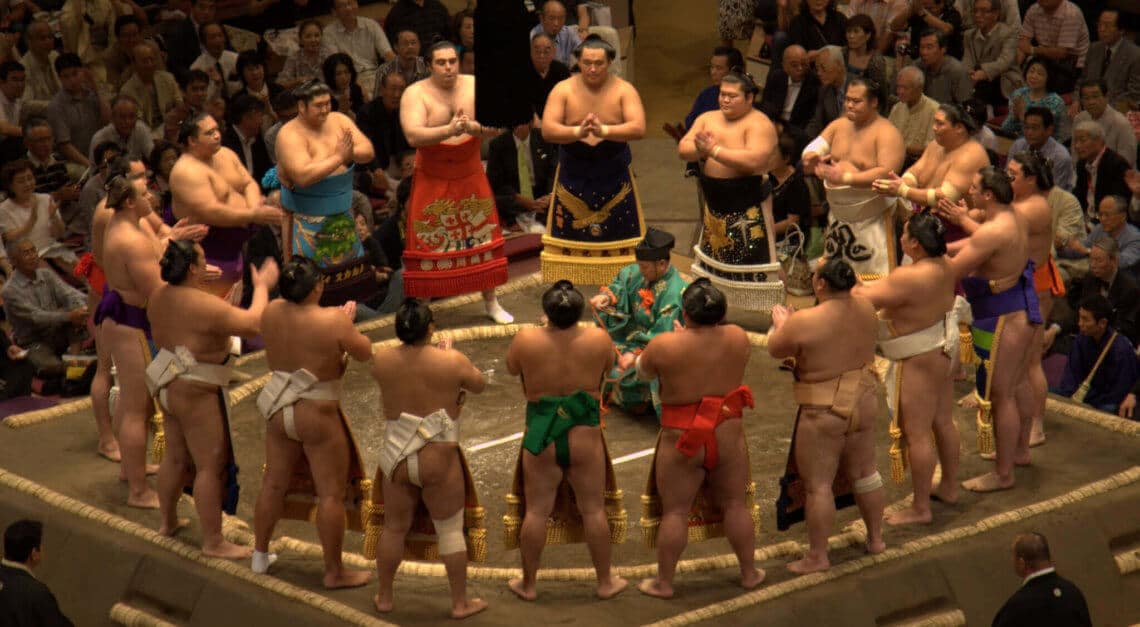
[
  {"x": 880, "y": 12},
  {"x": 1065, "y": 28}
]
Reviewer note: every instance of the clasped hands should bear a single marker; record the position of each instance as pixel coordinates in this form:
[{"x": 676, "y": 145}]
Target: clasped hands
[{"x": 591, "y": 125}]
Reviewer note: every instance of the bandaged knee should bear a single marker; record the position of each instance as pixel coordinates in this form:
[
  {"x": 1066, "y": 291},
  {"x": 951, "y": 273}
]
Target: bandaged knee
[
  {"x": 870, "y": 483},
  {"x": 818, "y": 146},
  {"x": 450, "y": 533}
]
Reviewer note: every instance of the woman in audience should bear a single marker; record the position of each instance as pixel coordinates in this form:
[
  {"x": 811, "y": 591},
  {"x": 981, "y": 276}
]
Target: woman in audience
[
  {"x": 305, "y": 64},
  {"x": 1038, "y": 92},
  {"x": 251, "y": 71},
  {"x": 340, "y": 75},
  {"x": 160, "y": 162},
  {"x": 26, "y": 214},
  {"x": 864, "y": 60},
  {"x": 791, "y": 203},
  {"x": 464, "y": 30}
]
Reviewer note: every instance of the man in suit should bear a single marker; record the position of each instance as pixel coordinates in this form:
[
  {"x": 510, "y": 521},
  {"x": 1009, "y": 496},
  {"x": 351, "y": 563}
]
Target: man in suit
[
  {"x": 379, "y": 120},
  {"x": 182, "y": 39},
  {"x": 832, "y": 72},
  {"x": 25, "y": 600},
  {"x": 990, "y": 54},
  {"x": 1114, "y": 59},
  {"x": 791, "y": 90},
  {"x": 1044, "y": 598},
  {"x": 1100, "y": 171},
  {"x": 521, "y": 152},
  {"x": 243, "y": 135},
  {"x": 1104, "y": 279}
]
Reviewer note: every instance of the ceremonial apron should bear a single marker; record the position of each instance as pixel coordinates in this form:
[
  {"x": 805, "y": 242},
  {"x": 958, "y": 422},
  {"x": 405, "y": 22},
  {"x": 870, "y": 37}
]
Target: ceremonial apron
[{"x": 861, "y": 230}]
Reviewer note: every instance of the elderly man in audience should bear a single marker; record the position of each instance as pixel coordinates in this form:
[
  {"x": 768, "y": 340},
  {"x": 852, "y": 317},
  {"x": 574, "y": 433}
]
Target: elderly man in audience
[
  {"x": 407, "y": 61},
  {"x": 1113, "y": 222},
  {"x": 118, "y": 59},
  {"x": 914, "y": 113},
  {"x": 1118, "y": 133},
  {"x": 1114, "y": 59},
  {"x": 1102, "y": 365},
  {"x": 1009, "y": 13},
  {"x": 26, "y": 214},
  {"x": 553, "y": 24},
  {"x": 360, "y": 38},
  {"x": 12, "y": 81},
  {"x": 946, "y": 78},
  {"x": 48, "y": 317},
  {"x": 1037, "y": 126},
  {"x": 550, "y": 71},
  {"x": 52, "y": 175},
  {"x": 790, "y": 92},
  {"x": 1100, "y": 170},
  {"x": 132, "y": 135},
  {"x": 217, "y": 62},
  {"x": 938, "y": 15},
  {"x": 429, "y": 18},
  {"x": 77, "y": 111},
  {"x": 1056, "y": 29},
  {"x": 42, "y": 81},
  {"x": 154, "y": 89},
  {"x": 832, "y": 71},
  {"x": 1104, "y": 279},
  {"x": 990, "y": 53}
]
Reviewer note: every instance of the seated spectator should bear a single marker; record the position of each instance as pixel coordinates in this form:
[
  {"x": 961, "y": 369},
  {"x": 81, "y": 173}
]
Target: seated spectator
[
  {"x": 832, "y": 72},
  {"x": 464, "y": 29},
  {"x": 863, "y": 57},
  {"x": 126, "y": 129},
  {"x": 77, "y": 112},
  {"x": 195, "y": 86},
  {"x": 1100, "y": 171},
  {"x": 1037, "y": 129},
  {"x": 172, "y": 123},
  {"x": 285, "y": 109},
  {"x": 35, "y": 217},
  {"x": 553, "y": 24},
  {"x": 217, "y": 62},
  {"x": 818, "y": 24},
  {"x": 48, "y": 316},
  {"x": 984, "y": 135},
  {"x": 724, "y": 58},
  {"x": 87, "y": 26},
  {"x": 154, "y": 89},
  {"x": 251, "y": 71},
  {"x": 12, "y": 81},
  {"x": 1104, "y": 279},
  {"x": 550, "y": 71},
  {"x": 41, "y": 80},
  {"x": 1114, "y": 59},
  {"x": 407, "y": 61},
  {"x": 23, "y": 598},
  {"x": 1102, "y": 364},
  {"x": 52, "y": 176},
  {"x": 989, "y": 53},
  {"x": 243, "y": 135},
  {"x": 791, "y": 92},
  {"x": 1008, "y": 12},
  {"x": 914, "y": 113},
  {"x": 1068, "y": 217},
  {"x": 1118, "y": 134},
  {"x": 15, "y": 371},
  {"x": 160, "y": 163},
  {"x": 340, "y": 76},
  {"x": 1037, "y": 92},
  {"x": 380, "y": 121},
  {"x": 791, "y": 203},
  {"x": 467, "y": 62},
  {"x": 118, "y": 60},
  {"x": 1056, "y": 30},
  {"x": 181, "y": 37},
  {"x": 305, "y": 64},
  {"x": 94, "y": 189},
  {"x": 360, "y": 38},
  {"x": 881, "y": 13},
  {"x": 946, "y": 78},
  {"x": 1113, "y": 216},
  {"x": 429, "y": 18},
  {"x": 520, "y": 168},
  {"x": 924, "y": 15}
]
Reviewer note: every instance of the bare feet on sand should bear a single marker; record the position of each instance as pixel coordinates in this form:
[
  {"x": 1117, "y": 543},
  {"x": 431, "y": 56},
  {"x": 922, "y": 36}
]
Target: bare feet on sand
[
  {"x": 151, "y": 470},
  {"x": 110, "y": 452},
  {"x": 945, "y": 492},
  {"x": 347, "y": 579},
  {"x": 228, "y": 551},
  {"x": 1017, "y": 461},
  {"x": 969, "y": 401},
  {"x": 1036, "y": 438},
  {"x": 874, "y": 548},
  {"x": 754, "y": 579},
  {"x": 169, "y": 530},
  {"x": 469, "y": 607},
  {"x": 654, "y": 588},
  {"x": 146, "y": 500},
  {"x": 809, "y": 565},
  {"x": 988, "y": 482},
  {"x": 910, "y": 516},
  {"x": 611, "y": 588},
  {"x": 526, "y": 593},
  {"x": 382, "y": 606}
]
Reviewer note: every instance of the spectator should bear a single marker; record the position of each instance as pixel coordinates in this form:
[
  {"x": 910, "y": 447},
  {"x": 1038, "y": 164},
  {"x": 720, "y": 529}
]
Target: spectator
[
  {"x": 51, "y": 174},
  {"x": 407, "y": 61},
  {"x": 1114, "y": 59},
  {"x": 429, "y": 18},
  {"x": 380, "y": 120},
  {"x": 119, "y": 58},
  {"x": 28, "y": 215},
  {"x": 553, "y": 25},
  {"x": 153, "y": 89},
  {"x": 723, "y": 59},
  {"x": 990, "y": 53},
  {"x": 41, "y": 80},
  {"x": 984, "y": 135},
  {"x": 23, "y": 598},
  {"x": 217, "y": 62},
  {"x": 251, "y": 70},
  {"x": 48, "y": 316},
  {"x": 1056, "y": 29},
  {"x": 1100, "y": 171},
  {"x": 467, "y": 61},
  {"x": 1103, "y": 279},
  {"x": 196, "y": 95},
  {"x": 15, "y": 379},
  {"x": 550, "y": 71},
  {"x": 126, "y": 129},
  {"x": 1009, "y": 13},
  {"x": 791, "y": 91},
  {"x": 881, "y": 13},
  {"x": 305, "y": 64},
  {"x": 1113, "y": 215},
  {"x": 1068, "y": 218},
  {"x": 87, "y": 27},
  {"x": 520, "y": 168},
  {"x": 832, "y": 72},
  {"x": 12, "y": 81},
  {"x": 1038, "y": 137},
  {"x": 243, "y": 135},
  {"x": 465, "y": 30},
  {"x": 926, "y": 15},
  {"x": 914, "y": 113},
  {"x": 360, "y": 38},
  {"x": 160, "y": 163},
  {"x": 863, "y": 57},
  {"x": 285, "y": 108},
  {"x": 1037, "y": 92},
  {"x": 1044, "y": 598},
  {"x": 1118, "y": 134},
  {"x": 819, "y": 24},
  {"x": 791, "y": 203},
  {"x": 340, "y": 76},
  {"x": 1101, "y": 356},
  {"x": 78, "y": 111},
  {"x": 182, "y": 39},
  {"x": 95, "y": 188},
  {"x": 946, "y": 77}
]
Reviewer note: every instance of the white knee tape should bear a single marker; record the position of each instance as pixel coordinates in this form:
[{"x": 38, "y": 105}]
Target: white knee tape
[
  {"x": 450, "y": 532},
  {"x": 870, "y": 483},
  {"x": 819, "y": 146}
]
